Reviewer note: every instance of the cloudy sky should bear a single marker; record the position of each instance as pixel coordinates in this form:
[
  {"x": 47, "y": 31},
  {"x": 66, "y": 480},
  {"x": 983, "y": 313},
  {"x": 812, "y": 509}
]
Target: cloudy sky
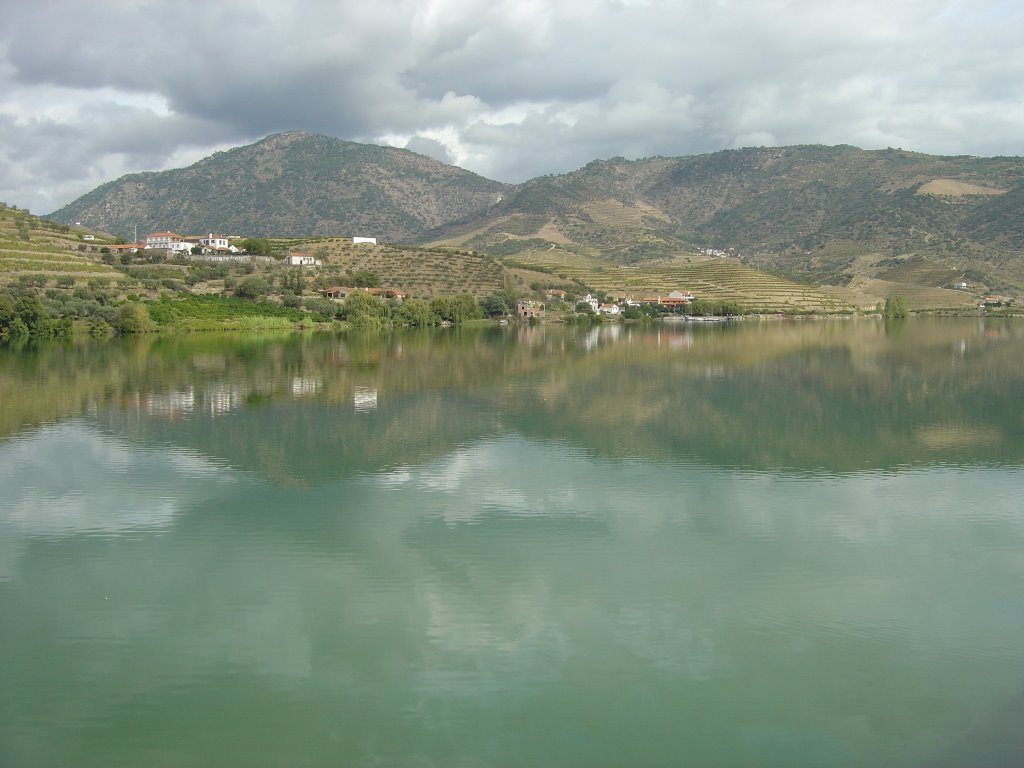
[{"x": 508, "y": 88}]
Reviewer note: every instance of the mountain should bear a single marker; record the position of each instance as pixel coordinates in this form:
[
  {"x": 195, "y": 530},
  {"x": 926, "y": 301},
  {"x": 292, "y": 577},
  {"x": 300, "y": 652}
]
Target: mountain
[
  {"x": 808, "y": 212},
  {"x": 291, "y": 184},
  {"x": 829, "y": 215}
]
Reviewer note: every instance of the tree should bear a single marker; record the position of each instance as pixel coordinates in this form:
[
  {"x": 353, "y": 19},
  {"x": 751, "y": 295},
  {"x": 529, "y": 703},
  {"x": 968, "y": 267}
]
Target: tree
[
  {"x": 464, "y": 307},
  {"x": 7, "y": 316},
  {"x": 252, "y": 288},
  {"x": 366, "y": 278},
  {"x": 442, "y": 307},
  {"x": 31, "y": 312},
  {"x": 417, "y": 313},
  {"x": 366, "y": 311},
  {"x": 496, "y": 304},
  {"x": 132, "y": 317},
  {"x": 257, "y": 246},
  {"x": 294, "y": 281},
  {"x": 896, "y": 308}
]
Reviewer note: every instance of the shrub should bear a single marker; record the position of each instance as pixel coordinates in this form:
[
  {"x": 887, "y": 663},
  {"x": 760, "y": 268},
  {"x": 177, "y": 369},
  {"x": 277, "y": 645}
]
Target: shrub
[
  {"x": 132, "y": 317},
  {"x": 252, "y": 288},
  {"x": 896, "y": 307}
]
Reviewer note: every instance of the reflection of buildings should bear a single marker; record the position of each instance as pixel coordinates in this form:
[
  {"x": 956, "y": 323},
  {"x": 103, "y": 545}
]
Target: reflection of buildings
[
  {"x": 222, "y": 400},
  {"x": 170, "y": 405},
  {"x": 601, "y": 334},
  {"x": 365, "y": 399},
  {"x": 303, "y": 386},
  {"x": 216, "y": 401}
]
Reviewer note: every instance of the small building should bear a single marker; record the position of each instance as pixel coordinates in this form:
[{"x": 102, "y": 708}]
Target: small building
[
  {"x": 340, "y": 292},
  {"x": 215, "y": 242},
  {"x": 609, "y": 309},
  {"x": 302, "y": 260},
  {"x": 364, "y": 240},
  {"x": 127, "y": 248},
  {"x": 527, "y": 308},
  {"x": 673, "y": 299}
]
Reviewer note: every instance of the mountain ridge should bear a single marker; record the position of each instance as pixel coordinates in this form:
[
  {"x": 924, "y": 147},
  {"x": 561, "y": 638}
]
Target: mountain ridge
[
  {"x": 806, "y": 211},
  {"x": 289, "y": 184}
]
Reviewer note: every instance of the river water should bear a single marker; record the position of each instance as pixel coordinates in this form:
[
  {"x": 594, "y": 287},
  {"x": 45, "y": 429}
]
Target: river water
[{"x": 761, "y": 544}]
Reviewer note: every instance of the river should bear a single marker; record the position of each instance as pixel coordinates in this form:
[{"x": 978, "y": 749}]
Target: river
[{"x": 784, "y": 543}]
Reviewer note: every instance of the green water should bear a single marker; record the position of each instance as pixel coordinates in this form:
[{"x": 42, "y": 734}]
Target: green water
[{"x": 766, "y": 544}]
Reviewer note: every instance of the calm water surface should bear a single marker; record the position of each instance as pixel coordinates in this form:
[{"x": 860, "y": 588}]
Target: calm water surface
[{"x": 770, "y": 544}]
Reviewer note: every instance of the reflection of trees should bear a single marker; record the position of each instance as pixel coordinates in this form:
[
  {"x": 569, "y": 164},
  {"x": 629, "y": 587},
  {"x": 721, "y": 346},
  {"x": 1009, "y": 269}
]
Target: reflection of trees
[{"x": 835, "y": 396}]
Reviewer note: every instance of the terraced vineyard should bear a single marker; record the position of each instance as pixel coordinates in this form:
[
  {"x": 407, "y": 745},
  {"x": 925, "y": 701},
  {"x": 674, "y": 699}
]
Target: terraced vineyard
[
  {"x": 422, "y": 272},
  {"x": 920, "y": 272},
  {"x": 30, "y": 246},
  {"x": 712, "y": 279},
  {"x": 869, "y": 292}
]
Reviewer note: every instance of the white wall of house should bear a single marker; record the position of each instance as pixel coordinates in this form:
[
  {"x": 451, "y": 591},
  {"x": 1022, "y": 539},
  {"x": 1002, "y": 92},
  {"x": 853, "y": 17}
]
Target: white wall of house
[
  {"x": 214, "y": 241},
  {"x": 302, "y": 260},
  {"x": 162, "y": 239}
]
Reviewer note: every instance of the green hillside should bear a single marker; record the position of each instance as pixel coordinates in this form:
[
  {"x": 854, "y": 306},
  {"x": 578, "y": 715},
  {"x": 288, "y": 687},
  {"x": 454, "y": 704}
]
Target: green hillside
[
  {"x": 858, "y": 225},
  {"x": 812, "y": 213},
  {"x": 291, "y": 184}
]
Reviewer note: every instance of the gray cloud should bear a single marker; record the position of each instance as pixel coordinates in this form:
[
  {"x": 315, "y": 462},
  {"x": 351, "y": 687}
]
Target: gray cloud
[{"x": 507, "y": 88}]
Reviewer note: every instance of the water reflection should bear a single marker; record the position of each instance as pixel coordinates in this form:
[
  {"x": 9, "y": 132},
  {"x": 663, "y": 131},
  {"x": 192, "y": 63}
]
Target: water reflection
[
  {"x": 70, "y": 480},
  {"x": 414, "y": 612},
  {"x": 765, "y": 544},
  {"x": 819, "y": 397}
]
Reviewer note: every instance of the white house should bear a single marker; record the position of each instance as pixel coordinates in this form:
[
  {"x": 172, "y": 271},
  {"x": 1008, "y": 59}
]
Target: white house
[
  {"x": 215, "y": 242},
  {"x": 609, "y": 309},
  {"x": 367, "y": 240},
  {"x": 302, "y": 260},
  {"x": 163, "y": 240},
  {"x": 591, "y": 300}
]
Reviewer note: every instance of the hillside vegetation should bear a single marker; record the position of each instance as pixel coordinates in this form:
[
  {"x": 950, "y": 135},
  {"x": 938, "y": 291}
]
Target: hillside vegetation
[
  {"x": 422, "y": 272},
  {"x": 825, "y": 215},
  {"x": 837, "y": 217},
  {"x": 32, "y": 247},
  {"x": 291, "y": 184}
]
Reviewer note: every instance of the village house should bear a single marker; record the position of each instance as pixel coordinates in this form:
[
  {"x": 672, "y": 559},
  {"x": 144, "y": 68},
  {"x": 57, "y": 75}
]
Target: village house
[
  {"x": 341, "y": 292},
  {"x": 169, "y": 241},
  {"x": 127, "y": 248},
  {"x": 526, "y": 308},
  {"x": 302, "y": 260},
  {"x": 609, "y": 309},
  {"x": 216, "y": 243},
  {"x": 674, "y": 299}
]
